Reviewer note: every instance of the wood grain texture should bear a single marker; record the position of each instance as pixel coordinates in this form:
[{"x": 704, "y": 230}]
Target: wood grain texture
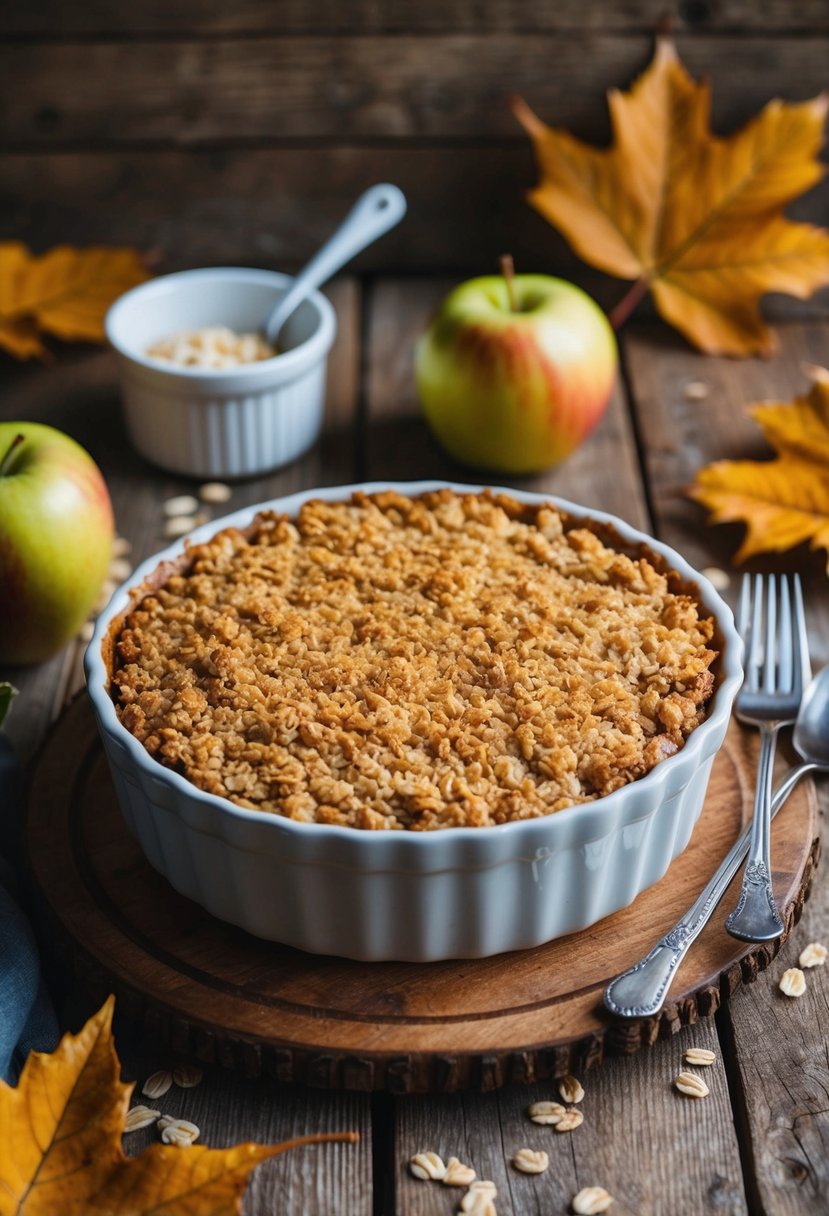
[
  {"x": 275, "y": 206},
  {"x": 326, "y": 1179},
  {"x": 365, "y": 88},
  {"x": 204, "y": 18},
  {"x": 215, "y": 992},
  {"x": 783, "y": 1089},
  {"x": 652, "y": 1149},
  {"x": 400, "y": 446},
  {"x": 679, "y": 436}
]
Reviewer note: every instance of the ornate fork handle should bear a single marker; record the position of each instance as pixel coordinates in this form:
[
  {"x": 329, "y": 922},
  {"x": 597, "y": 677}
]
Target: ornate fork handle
[
  {"x": 641, "y": 990},
  {"x": 756, "y": 917}
]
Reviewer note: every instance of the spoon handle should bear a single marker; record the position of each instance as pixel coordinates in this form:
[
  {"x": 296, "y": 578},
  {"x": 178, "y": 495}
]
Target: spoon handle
[
  {"x": 374, "y": 213},
  {"x": 641, "y": 990}
]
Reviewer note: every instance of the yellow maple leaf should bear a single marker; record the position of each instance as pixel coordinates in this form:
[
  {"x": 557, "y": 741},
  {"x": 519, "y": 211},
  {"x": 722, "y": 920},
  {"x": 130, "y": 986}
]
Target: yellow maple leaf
[
  {"x": 784, "y": 501},
  {"x": 695, "y": 218},
  {"x": 65, "y": 292},
  {"x": 60, "y": 1143}
]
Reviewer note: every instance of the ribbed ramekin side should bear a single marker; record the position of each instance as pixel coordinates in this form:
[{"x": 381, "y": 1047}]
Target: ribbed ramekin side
[{"x": 232, "y": 436}]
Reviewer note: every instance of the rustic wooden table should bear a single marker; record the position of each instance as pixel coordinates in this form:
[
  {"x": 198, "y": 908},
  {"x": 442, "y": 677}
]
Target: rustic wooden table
[{"x": 760, "y": 1142}]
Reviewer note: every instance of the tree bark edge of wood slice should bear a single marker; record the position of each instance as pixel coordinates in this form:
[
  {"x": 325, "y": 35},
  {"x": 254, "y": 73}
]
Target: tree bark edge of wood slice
[{"x": 212, "y": 992}]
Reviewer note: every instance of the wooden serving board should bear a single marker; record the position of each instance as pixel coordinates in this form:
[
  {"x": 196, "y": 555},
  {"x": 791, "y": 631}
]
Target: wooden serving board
[{"x": 213, "y": 992}]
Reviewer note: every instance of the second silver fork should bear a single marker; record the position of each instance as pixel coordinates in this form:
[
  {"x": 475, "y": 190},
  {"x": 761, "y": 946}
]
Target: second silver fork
[{"x": 774, "y": 636}]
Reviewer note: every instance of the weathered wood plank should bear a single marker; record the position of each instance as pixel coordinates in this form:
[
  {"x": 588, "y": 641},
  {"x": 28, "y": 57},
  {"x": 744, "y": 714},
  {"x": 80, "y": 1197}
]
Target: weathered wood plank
[
  {"x": 399, "y": 445},
  {"x": 778, "y": 1045},
  {"x": 680, "y": 435},
  {"x": 54, "y": 18},
  {"x": 652, "y": 1149},
  {"x": 275, "y": 207},
  {"x": 782, "y": 1076},
  {"x": 79, "y": 395},
  {"x": 275, "y": 88},
  {"x": 326, "y": 1179}
]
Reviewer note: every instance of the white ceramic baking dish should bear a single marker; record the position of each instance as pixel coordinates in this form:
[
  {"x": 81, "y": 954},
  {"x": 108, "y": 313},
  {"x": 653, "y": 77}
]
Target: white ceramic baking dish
[
  {"x": 453, "y": 893},
  {"x": 234, "y": 422}
]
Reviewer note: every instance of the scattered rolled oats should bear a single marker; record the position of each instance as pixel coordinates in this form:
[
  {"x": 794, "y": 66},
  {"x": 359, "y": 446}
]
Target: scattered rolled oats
[
  {"x": 719, "y": 579},
  {"x": 119, "y": 569},
  {"x": 793, "y": 982},
  {"x": 138, "y": 1117},
  {"x": 478, "y": 1203},
  {"x": 426, "y": 1166},
  {"x": 180, "y": 1133},
  {"x": 691, "y": 1085},
  {"x": 570, "y": 1089},
  {"x": 179, "y": 525},
  {"x": 695, "y": 390},
  {"x": 182, "y": 504},
  {"x": 157, "y": 1085},
  {"x": 457, "y": 1174},
  {"x": 570, "y": 1119},
  {"x": 814, "y": 955},
  {"x": 187, "y": 1076},
  {"x": 121, "y": 546},
  {"x": 700, "y": 1057},
  {"x": 479, "y": 1200},
  {"x": 87, "y": 630},
  {"x": 530, "y": 1162},
  {"x": 591, "y": 1200},
  {"x": 546, "y": 1112},
  {"x": 165, "y": 1121},
  {"x": 214, "y": 491}
]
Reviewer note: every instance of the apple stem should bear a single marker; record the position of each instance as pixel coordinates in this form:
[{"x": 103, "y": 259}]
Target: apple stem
[
  {"x": 508, "y": 271},
  {"x": 628, "y": 303},
  {"x": 13, "y": 446}
]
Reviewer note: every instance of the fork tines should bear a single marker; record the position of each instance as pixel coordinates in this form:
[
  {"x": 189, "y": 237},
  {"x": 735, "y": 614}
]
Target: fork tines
[{"x": 771, "y": 621}]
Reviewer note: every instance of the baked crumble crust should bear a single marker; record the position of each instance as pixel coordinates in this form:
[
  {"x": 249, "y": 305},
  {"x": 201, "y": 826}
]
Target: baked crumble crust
[{"x": 388, "y": 662}]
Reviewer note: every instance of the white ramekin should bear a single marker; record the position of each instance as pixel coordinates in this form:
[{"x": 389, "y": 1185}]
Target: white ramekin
[
  {"x": 453, "y": 893},
  {"x": 225, "y": 423}
]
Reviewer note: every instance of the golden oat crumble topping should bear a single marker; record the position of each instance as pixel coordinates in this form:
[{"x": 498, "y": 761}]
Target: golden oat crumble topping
[{"x": 450, "y": 660}]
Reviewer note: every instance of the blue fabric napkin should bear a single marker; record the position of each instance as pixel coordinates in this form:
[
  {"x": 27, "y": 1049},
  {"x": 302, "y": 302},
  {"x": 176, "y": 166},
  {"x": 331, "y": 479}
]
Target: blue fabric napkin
[{"x": 27, "y": 1019}]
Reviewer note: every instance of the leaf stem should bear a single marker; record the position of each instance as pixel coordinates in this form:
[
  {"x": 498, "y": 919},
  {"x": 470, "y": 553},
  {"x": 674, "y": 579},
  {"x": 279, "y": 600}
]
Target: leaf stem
[
  {"x": 319, "y": 1138},
  {"x": 13, "y": 446},
  {"x": 508, "y": 271},
  {"x": 628, "y": 303}
]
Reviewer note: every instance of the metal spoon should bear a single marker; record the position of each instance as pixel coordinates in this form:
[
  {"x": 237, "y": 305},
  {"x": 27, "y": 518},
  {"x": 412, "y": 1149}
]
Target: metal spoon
[
  {"x": 641, "y": 990},
  {"x": 374, "y": 213}
]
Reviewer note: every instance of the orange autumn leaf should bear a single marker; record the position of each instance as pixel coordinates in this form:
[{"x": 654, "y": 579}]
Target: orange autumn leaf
[
  {"x": 60, "y": 1143},
  {"x": 695, "y": 218},
  {"x": 785, "y": 501},
  {"x": 65, "y": 292}
]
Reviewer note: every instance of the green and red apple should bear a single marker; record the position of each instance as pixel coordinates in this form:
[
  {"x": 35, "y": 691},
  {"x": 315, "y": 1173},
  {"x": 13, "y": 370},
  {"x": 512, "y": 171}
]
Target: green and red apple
[
  {"x": 56, "y": 532},
  {"x": 513, "y": 375}
]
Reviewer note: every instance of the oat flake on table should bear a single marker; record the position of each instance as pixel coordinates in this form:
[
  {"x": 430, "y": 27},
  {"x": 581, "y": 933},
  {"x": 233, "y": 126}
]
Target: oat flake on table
[
  {"x": 427, "y": 1166},
  {"x": 592, "y": 1200},
  {"x": 813, "y": 955},
  {"x": 793, "y": 982}
]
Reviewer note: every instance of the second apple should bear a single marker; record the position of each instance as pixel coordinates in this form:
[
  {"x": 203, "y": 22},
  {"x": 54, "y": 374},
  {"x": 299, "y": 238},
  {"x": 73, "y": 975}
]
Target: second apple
[{"x": 514, "y": 373}]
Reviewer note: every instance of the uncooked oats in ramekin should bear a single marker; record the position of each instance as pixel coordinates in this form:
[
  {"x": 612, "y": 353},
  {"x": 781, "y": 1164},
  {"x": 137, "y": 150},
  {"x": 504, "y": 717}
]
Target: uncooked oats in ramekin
[
  {"x": 522, "y": 697},
  {"x": 213, "y": 346}
]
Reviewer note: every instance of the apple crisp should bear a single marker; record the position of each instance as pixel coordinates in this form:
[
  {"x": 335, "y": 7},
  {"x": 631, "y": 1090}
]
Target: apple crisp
[{"x": 451, "y": 660}]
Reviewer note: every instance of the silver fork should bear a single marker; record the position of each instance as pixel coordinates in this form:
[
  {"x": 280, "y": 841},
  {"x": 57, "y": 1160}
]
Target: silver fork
[
  {"x": 775, "y": 640},
  {"x": 641, "y": 990}
]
